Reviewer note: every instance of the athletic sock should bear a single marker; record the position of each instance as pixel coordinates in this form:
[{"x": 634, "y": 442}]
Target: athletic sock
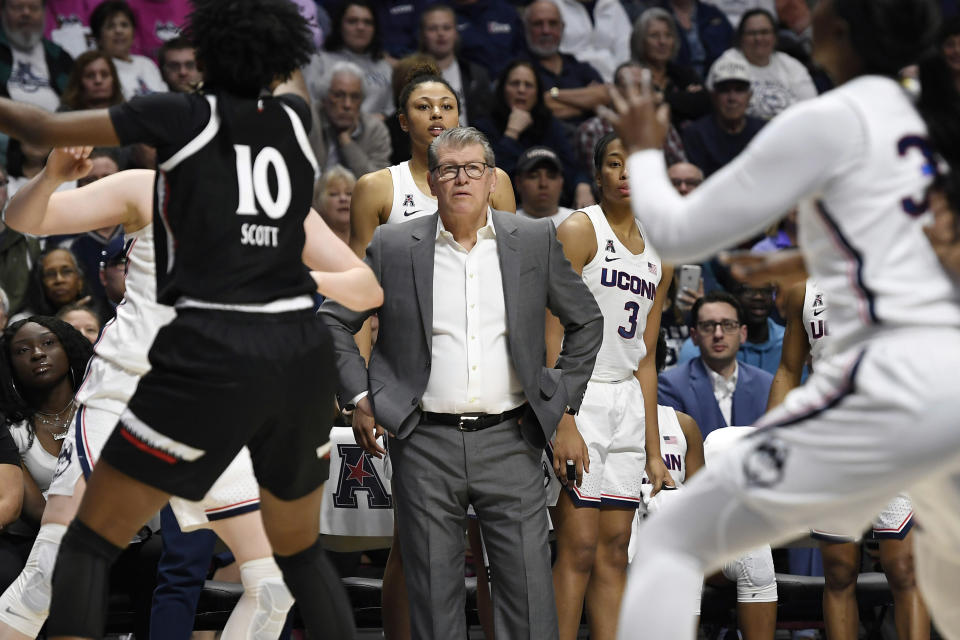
[{"x": 315, "y": 585}]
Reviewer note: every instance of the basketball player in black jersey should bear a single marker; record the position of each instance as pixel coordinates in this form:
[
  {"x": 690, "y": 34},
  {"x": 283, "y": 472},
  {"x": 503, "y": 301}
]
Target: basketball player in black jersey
[{"x": 245, "y": 361}]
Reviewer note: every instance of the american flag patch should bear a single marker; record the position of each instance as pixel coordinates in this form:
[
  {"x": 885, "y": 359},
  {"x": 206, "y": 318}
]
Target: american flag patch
[
  {"x": 652, "y": 267},
  {"x": 670, "y": 439}
]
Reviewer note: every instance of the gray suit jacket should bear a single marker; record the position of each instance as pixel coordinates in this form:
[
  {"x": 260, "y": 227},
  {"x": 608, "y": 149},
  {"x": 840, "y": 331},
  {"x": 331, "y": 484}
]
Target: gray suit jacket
[{"x": 536, "y": 275}]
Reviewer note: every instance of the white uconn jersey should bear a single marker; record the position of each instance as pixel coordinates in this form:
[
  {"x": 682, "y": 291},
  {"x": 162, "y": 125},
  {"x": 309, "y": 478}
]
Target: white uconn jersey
[
  {"x": 624, "y": 286},
  {"x": 409, "y": 202},
  {"x": 862, "y": 237},
  {"x": 814, "y": 316},
  {"x": 126, "y": 339}
]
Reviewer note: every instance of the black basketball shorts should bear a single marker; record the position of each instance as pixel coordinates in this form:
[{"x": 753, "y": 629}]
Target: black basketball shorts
[{"x": 224, "y": 379}]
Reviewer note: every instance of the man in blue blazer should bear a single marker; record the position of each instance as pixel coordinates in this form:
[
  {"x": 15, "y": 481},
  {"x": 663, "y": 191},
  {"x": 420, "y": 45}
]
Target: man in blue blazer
[{"x": 715, "y": 389}]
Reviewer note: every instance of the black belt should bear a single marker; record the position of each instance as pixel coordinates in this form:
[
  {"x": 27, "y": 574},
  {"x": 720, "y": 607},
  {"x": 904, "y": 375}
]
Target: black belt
[{"x": 472, "y": 421}]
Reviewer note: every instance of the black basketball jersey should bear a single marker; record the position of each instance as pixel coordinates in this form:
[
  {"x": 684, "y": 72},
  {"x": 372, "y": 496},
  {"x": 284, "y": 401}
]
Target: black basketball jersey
[{"x": 234, "y": 184}]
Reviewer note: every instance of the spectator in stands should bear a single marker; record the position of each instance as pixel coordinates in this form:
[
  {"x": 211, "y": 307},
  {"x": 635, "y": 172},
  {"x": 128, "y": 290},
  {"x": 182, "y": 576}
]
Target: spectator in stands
[
  {"x": 950, "y": 45},
  {"x": 490, "y": 33},
  {"x": 18, "y": 254},
  {"x": 655, "y": 43},
  {"x": 764, "y": 342},
  {"x": 113, "y": 272},
  {"x": 520, "y": 120},
  {"x": 42, "y": 363},
  {"x": 83, "y": 319},
  {"x": 178, "y": 64},
  {"x": 158, "y": 22},
  {"x": 715, "y": 389},
  {"x": 93, "y": 83},
  {"x": 344, "y": 134},
  {"x": 470, "y": 81},
  {"x": 734, "y": 9},
  {"x": 32, "y": 69},
  {"x": 705, "y": 32},
  {"x": 592, "y": 129},
  {"x": 716, "y": 139},
  {"x": 596, "y": 33},
  {"x": 783, "y": 235},
  {"x": 56, "y": 281},
  {"x": 333, "y": 192},
  {"x": 113, "y": 25},
  {"x": 355, "y": 38},
  {"x": 573, "y": 89},
  {"x": 777, "y": 80},
  {"x": 674, "y": 327},
  {"x": 403, "y": 18},
  {"x": 539, "y": 182},
  {"x": 68, "y": 25}
]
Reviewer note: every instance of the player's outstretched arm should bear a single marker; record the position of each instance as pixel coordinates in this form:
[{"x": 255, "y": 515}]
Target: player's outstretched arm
[
  {"x": 338, "y": 272},
  {"x": 33, "y": 125},
  {"x": 122, "y": 198}
]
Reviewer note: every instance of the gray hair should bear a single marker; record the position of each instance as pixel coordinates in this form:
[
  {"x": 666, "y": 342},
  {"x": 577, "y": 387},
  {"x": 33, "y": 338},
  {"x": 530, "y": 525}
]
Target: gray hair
[
  {"x": 458, "y": 138},
  {"x": 4, "y": 302},
  {"x": 338, "y": 67},
  {"x": 638, "y": 46},
  {"x": 336, "y": 172},
  {"x": 526, "y": 10}
]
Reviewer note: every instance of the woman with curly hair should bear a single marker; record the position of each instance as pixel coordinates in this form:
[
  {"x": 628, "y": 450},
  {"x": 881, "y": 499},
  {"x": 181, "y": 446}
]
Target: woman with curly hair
[
  {"x": 245, "y": 356},
  {"x": 93, "y": 83},
  {"x": 42, "y": 360}
]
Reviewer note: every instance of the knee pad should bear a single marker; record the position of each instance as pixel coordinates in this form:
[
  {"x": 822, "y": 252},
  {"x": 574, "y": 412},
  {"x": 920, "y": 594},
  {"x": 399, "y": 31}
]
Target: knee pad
[
  {"x": 262, "y": 579},
  {"x": 81, "y": 581},
  {"x": 26, "y": 602},
  {"x": 754, "y": 575}
]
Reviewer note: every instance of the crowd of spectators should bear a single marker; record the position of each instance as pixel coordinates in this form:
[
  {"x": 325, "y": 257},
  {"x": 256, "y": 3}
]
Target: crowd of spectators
[{"x": 531, "y": 75}]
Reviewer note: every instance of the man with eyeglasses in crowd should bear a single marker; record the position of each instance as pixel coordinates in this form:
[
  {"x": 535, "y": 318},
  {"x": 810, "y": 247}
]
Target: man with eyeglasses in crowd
[
  {"x": 715, "y": 389},
  {"x": 457, "y": 377}
]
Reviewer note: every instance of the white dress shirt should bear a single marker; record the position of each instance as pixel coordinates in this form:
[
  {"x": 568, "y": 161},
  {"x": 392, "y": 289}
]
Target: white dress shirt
[
  {"x": 471, "y": 370},
  {"x": 723, "y": 389}
]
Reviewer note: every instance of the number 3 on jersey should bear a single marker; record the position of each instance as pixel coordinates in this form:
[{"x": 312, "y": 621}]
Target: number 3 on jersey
[
  {"x": 630, "y": 330},
  {"x": 254, "y": 186}
]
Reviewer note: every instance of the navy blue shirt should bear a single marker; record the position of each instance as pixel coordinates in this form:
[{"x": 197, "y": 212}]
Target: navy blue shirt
[
  {"x": 491, "y": 34},
  {"x": 710, "y": 147}
]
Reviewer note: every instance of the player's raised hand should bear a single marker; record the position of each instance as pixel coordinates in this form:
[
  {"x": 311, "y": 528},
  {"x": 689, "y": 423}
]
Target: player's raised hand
[
  {"x": 69, "y": 163},
  {"x": 366, "y": 430},
  {"x": 783, "y": 268},
  {"x": 570, "y": 451},
  {"x": 658, "y": 475},
  {"x": 638, "y": 117}
]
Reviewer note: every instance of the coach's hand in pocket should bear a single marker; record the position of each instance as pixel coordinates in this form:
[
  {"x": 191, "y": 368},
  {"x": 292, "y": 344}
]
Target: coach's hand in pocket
[
  {"x": 366, "y": 430},
  {"x": 569, "y": 445}
]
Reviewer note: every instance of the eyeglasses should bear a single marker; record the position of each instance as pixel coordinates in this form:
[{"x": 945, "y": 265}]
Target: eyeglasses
[
  {"x": 710, "y": 326},
  {"x": 686, "y": 182},
  {"x": 474, "y": 170},
  {"x": 63, "y": 272}
]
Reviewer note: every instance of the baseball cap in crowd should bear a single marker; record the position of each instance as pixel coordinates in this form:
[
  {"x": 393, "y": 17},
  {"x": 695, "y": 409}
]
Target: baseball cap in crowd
[
  {"x": 114, "y": 253},
  {"x": 728, "y": 71},
  {"x": 537, "y": 156}
]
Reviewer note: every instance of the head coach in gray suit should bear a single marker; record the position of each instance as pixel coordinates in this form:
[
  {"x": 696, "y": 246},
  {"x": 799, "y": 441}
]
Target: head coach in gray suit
[{"x": 457, "y": 376}]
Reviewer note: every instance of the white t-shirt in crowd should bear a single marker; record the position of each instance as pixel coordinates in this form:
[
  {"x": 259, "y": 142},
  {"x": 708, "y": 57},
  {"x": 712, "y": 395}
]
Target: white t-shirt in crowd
[
  {"x": 30, "y": 79},
  {"x": 139, "y": 76}
]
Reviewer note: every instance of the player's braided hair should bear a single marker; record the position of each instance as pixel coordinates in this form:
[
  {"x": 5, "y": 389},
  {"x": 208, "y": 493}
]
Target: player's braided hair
[
  {"x": 243, "y": 45},
  {"x": 13, "y": 405}
]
